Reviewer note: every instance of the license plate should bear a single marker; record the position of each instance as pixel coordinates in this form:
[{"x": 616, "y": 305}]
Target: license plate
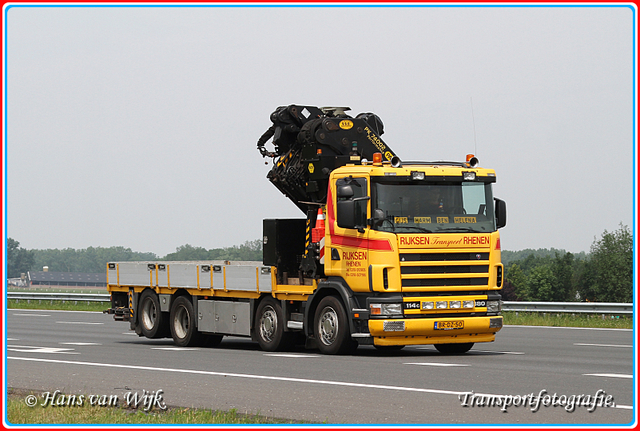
[{"x": 451, "y": 324}]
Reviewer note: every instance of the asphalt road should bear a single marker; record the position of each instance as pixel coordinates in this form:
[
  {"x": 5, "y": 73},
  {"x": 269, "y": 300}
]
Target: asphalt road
[{"x": 529, "y": 375}]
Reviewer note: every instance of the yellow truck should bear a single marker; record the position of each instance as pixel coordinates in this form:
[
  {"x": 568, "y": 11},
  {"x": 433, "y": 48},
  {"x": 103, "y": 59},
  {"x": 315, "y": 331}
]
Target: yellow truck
[{"x": 390, "y": 253}]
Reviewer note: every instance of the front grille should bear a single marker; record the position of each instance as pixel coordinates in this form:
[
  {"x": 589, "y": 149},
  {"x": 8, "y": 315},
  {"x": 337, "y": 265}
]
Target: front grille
[{"x": 444, "y": 270}]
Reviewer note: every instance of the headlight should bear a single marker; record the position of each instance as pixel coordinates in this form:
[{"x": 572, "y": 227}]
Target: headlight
[
  {"x": 468, "y": 304},
  {"x": 454, "y": 304},
  {"x": 494, "y": 306},
  {"x": 416, "y": 175},
  {"x": 441, "y": 304},
  {"x": 385, "y": 309}
]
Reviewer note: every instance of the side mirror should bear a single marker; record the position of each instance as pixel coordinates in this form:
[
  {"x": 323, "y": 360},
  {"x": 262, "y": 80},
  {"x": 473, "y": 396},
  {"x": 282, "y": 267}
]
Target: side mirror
[
  {"x": 345, "y": 191},
  {"x": 346, "y": 213},
  {"x": 378, "y": 218},
  {"x": 501, "y": 213}
]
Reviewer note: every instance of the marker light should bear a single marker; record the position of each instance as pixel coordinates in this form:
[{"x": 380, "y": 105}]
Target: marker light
[
  {"x": 427, "y": 305},
  {"x": 469, "y": 176},
  {"x": 377, "y": 159},
  {"x": 415, "y": 175}
]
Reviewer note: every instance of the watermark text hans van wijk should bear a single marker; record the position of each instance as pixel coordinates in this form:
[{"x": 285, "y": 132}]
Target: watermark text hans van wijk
[
  {"x": 535, "y": 401},
  {"x": 147, "y": 400}
]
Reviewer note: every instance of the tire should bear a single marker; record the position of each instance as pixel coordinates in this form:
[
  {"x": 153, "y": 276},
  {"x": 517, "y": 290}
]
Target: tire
[
  {"x": 269, "y": 328},
  {"x": 331, "y": 327},
  {"x": 182, "y": 323},
  {"x": 152, "y": 322},
  {"x": 454, "y": 349}
]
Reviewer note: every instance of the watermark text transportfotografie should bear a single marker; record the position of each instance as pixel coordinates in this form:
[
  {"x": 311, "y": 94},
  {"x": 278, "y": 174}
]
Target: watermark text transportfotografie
[
  {"x": 535, "y": 401},
  {"x": 147, "y": 400}
]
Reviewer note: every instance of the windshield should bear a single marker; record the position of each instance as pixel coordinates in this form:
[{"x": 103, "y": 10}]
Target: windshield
[{"x": 433, "y": 207}]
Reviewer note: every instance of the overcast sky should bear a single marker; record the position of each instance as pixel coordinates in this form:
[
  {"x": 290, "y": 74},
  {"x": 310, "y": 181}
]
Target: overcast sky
[{"x": 137, "y": 126}]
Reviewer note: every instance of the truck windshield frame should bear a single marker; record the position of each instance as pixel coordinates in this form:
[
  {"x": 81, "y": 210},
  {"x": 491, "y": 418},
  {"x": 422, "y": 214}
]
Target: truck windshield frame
[{"x": 433, "y": 206}]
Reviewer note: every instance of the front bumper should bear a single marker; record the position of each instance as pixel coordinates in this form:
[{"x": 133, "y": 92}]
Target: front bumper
[{"x": 394, "y": 332}]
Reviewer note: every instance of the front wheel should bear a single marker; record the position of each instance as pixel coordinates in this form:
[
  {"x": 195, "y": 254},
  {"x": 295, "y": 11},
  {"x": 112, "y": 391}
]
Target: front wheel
[
  {"x": 331, "y": 327},
  {"x": 182, "y": 323},
  {"x": 454, "y": 349}
]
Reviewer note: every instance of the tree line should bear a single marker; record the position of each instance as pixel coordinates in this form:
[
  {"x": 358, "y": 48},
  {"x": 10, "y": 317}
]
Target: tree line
[
  {"x": 605, "y": 274},
  {"x": 95, "y": 259}
]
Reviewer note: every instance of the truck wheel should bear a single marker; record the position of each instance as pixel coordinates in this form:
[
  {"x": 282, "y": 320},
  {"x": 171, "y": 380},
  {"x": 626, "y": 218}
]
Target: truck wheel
[
  {"x": 183, "y": 323},
  {"x": 270, "y": 326},
  {"x": 454, "y": 349},
  {"x": 331, "y": 327},
  {"x": 153, "y": 323}
]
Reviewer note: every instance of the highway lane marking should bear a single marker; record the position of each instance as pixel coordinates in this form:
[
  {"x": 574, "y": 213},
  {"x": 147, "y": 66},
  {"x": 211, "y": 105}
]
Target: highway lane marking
[
  {"x": 258, "y": 377},
  {"x": 436, "y": 364},
  {"x": 129, "y": 333},
  {"x": 81, "y": 344},
  {"x": 619, "y": 376},
  {"x": 602, "y": 345},
  {"x": 290, "y": 355},
  {"x": 82, "y": 323},
  {"x": 36, "y": 349},
  {"x": 31, "y": 315}
]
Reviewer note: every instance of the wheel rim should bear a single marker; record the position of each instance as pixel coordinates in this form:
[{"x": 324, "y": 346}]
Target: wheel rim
[
  {"x": 328, "y": 326},
  {"x": 181, "y": 322},
  {"x": 149, "y": 314},
  {"x": 268, "y": 323}
]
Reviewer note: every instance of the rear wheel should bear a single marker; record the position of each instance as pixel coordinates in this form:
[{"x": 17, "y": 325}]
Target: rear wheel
[
  {"x": 183, "y": 323},
  {"x": 153, "y": 323},
  {"x": 331, "y": 327},
  {"x": 454, "y": 349},
  {"x": 269, "y": 329}
]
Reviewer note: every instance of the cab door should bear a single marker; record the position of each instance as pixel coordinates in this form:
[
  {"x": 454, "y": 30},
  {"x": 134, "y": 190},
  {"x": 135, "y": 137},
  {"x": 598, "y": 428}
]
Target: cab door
[{"x": 347, "y": 253}]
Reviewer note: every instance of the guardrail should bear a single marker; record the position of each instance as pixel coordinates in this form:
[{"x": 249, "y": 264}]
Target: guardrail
[
  {"x": 569, "y": 307},
  {"x": 531, "y": 307},
  {"x": 53, "y": 296}
]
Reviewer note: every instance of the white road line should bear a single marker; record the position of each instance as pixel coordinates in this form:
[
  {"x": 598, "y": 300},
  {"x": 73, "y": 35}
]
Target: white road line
[
  {"x": 13, "y": 339},
  {"x": 82, "y": 323},
  {"x": 36, "y": 349},
  {"x": 81, "y": 344},
  {"x": 619, "y": 376},
  {"x": 436, "y": 364},
  {"x": 290, "y": 355},
  {"x": 258, "y": 377},
  {"x": 603, "y": 345},
  {"x": 31, "y": 315},
  {"x": 129, "y": 333}
]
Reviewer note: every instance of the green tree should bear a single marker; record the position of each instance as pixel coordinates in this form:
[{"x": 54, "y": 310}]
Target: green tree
[
  {"x": 611, "y": 272},
  {"x": 518, "y": 282},
  {"x": 540, "y": 284},
  {"x": 19, "y": 260},
  {"x": 563, "y": 283}
]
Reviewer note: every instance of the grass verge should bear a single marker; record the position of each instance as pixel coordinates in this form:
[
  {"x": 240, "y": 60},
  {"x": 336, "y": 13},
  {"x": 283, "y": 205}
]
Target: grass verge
[
  {"x": 567, "y": 320},
  {"x": 18, "y": 413},
  {"x": 30, "y": 304}
]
